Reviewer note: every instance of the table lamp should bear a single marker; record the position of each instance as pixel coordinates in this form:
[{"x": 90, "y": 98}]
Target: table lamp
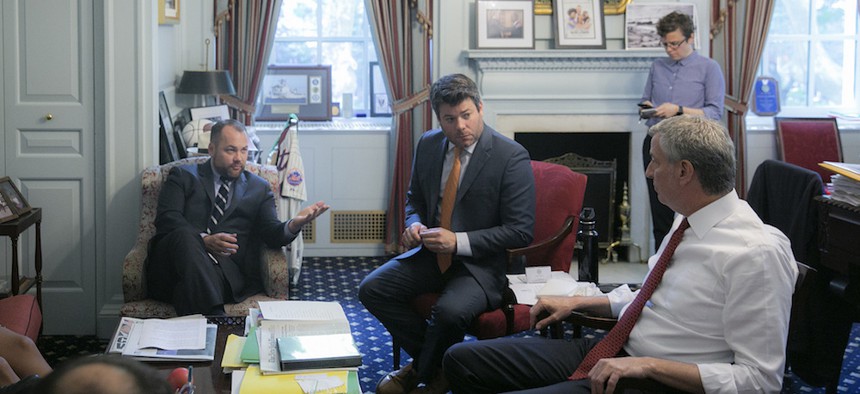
[{"x": 204, "y": 83}]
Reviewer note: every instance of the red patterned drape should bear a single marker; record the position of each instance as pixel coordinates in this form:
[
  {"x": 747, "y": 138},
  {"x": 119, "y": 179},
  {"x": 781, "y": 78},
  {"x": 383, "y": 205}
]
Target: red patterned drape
[
  {"x": 392, "y": 22},
  {"x": 245, "y": 33},
  {"x": 738, "y": 34}
]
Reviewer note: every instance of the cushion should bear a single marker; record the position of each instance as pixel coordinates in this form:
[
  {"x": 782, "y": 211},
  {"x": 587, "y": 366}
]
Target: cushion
[{"x": 21, "y": 314}]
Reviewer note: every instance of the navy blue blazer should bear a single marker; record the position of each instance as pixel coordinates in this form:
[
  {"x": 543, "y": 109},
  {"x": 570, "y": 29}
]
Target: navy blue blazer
[{"x": 495, "y": 202}]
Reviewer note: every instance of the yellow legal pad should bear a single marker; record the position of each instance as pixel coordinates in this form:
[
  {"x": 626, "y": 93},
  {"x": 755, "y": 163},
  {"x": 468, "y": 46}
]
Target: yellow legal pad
[{"x": 256, "y": 383}]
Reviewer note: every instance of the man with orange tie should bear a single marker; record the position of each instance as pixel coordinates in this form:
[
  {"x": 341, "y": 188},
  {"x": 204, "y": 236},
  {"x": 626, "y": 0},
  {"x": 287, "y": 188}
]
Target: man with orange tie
[
  {"x": 470, "y": 198},
  {"x": 711, "y": 316}
]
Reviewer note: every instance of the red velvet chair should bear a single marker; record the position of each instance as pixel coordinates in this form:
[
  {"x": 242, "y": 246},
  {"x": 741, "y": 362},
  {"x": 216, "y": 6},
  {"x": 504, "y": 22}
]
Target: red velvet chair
[
  {"x": 559, "y": 195},
  {"x": 805, "y": 142}
]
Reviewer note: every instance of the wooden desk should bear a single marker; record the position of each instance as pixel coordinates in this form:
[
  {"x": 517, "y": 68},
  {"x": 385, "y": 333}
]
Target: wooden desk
[
  {"x": 13, "y": 230},
  {"x": 838, "y": 235}
]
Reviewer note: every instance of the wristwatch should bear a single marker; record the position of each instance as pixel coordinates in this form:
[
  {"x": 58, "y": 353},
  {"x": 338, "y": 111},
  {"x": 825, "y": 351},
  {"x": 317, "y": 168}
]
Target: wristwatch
[{"x": 680, "y": 110}]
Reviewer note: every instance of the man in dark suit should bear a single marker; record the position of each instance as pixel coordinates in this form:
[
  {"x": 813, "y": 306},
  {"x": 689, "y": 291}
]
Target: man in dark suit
[
  {"x": 200, "y": 260},
  {"x": 493, "y": 211}
]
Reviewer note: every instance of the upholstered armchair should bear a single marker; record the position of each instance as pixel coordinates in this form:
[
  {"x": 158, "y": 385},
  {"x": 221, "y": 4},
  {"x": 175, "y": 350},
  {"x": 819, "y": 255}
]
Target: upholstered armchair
[{"x": 137, "y": 304}]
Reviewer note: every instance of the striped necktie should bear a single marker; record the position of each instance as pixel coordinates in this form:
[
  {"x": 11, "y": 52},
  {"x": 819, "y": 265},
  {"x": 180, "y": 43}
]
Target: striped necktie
[
  {"x": 615, "y": 339},
  {"x": 220, "y": 205}
]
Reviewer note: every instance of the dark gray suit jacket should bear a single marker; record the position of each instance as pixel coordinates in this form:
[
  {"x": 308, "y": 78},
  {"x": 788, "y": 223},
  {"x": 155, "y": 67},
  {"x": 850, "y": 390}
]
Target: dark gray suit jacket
[
  {"x": 495, "y": 202},
  {"x": 186, "y": 200}
]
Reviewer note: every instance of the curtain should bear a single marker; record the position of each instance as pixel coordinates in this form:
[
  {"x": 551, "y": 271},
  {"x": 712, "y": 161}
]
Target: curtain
[
  {"x": 738, "y": 35},
  {"x": 245, "y": 32},
  {"x": 392, "y": 26}
]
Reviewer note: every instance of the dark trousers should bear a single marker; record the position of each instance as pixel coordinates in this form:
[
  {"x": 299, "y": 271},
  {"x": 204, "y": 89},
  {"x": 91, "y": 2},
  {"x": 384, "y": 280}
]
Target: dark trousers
[
  {"x": 523, "y": 365},
  {"x": 388, "y": 291},
  {"x": 661, "y": 215},
  {"x": 180, "y": 272}
]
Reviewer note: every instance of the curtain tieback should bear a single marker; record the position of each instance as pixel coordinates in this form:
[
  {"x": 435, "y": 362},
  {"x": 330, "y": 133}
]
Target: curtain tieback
[
  {"x": 736, "y": 107},
  {"x": 412, "y": 101},
  {"x": 235, "y": 102}
]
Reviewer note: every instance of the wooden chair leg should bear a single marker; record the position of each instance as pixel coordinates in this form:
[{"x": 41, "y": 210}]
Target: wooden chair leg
[{"x": 395, "y": 348}]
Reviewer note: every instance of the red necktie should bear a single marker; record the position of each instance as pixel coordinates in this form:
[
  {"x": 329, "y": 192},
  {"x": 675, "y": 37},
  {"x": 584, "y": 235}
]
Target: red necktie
[
  {"x": 448, "y": 197},
  {"x": 615, "y": 339}
]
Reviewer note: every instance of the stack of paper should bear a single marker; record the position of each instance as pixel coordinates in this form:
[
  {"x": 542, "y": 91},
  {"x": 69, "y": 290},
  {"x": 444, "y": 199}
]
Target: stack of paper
[
  {"x": 846, "y": 182},
  {"x": 186, "y": 338},
  {"x": 559, "y": 284},
  {"x": 277, "y": 352}
]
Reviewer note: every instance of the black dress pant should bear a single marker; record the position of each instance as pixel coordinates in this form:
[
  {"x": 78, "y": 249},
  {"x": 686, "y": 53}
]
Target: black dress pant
[
  {"x": 522, "y": 365},
  {"x": 179, "y": 271},
  {"x": 388, "y": 291}
]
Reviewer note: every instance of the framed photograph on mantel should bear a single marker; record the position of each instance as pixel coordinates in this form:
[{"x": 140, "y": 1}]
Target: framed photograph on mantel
[
  {"x": 301, "y": 90},
  {"x": 505, "y": 24},
  {"x": 579, "y": 24},
  {"x": 641, "y": 24}
]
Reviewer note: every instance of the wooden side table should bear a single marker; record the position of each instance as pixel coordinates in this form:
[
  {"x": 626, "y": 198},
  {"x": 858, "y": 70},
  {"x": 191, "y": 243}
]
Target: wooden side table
[{"x": 13, "y": 229}]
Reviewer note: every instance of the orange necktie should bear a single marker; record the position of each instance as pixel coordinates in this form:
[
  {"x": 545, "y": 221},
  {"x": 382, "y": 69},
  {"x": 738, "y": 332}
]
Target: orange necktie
[
  {"x": 448, "y": 197},
  {"x": 612, "y": 343}
]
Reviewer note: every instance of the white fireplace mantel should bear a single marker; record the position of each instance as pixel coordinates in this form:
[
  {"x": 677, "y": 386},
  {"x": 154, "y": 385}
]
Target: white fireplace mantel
[{"x": 561, "y": 60}]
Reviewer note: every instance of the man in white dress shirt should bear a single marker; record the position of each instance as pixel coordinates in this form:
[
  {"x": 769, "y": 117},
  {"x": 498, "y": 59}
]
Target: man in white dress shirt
[{"x": 716, "y": 323}]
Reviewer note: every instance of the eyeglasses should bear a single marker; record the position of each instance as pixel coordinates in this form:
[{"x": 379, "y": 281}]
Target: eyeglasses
[{"x": 673, "y": 44}]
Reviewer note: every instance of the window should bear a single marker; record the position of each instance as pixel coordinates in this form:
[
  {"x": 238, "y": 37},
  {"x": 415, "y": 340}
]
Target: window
[
  {"x": 812, "y": 50},
  {"x": 334, "y": 32}
]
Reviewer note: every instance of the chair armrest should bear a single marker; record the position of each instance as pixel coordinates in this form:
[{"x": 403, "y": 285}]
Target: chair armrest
[
  {"x": 134, "y": 272},
  {"x": 275, "y": 273},
  {"x": 542, "y": 246},
  {"x": 586, "y": 320}
]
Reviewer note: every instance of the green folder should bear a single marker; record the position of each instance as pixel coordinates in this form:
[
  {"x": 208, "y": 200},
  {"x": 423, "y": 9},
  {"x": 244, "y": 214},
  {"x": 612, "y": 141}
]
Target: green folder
[
  {"x": 251, "y": 351},
  {"x": 352, "y": 384}
]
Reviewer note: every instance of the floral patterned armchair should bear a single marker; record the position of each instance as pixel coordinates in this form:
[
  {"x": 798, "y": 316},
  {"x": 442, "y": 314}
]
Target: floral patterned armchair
[{"x": 275, "y": 273}]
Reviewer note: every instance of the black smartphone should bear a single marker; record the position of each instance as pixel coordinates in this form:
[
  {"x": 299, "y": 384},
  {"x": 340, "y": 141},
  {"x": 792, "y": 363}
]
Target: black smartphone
[{"x": 644, "y": 105}]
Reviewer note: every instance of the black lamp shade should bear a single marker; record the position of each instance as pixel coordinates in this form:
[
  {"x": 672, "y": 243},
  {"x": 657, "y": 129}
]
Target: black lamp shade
[{"x": 206, "y": 82}]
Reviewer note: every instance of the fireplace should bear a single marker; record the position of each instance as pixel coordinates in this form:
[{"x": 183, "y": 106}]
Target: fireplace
[
  {"x": 583, "y": 102},
  {"x": 603, "y": 157}
]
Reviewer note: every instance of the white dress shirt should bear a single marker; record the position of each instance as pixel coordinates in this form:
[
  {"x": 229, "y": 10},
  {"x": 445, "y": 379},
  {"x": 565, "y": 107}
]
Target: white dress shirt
[{"x": 724, "y": 301}]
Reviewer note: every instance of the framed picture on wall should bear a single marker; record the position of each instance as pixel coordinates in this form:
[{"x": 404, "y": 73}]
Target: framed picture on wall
[
  {"x": 13, "y": 196},
  {"x": 168, "y": 12},
  {"x": 641, "y": 23},
  {"x": 579, "y": 24},
  {"x": 380, "y": 105},
  {"x": 301, "y": 90},
  {"x": 505, "y": 24}
]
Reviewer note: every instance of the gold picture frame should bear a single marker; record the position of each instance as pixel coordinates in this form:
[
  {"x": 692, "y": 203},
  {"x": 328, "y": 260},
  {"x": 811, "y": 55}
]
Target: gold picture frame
[
  {"x": 543, "y": 7},
  {"x": 615, "y": 7},
  {"x": 168, "y": 12}
]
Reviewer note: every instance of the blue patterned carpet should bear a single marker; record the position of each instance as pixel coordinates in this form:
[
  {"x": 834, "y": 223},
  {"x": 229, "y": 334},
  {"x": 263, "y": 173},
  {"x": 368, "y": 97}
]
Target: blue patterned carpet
[{"x": 337, "y": 279}]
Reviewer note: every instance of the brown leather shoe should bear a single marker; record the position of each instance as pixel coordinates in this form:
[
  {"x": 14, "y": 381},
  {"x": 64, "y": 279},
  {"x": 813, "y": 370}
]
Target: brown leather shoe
[
  {"x": 437, "y": 385},
  {"x": 400, "y": 381}
]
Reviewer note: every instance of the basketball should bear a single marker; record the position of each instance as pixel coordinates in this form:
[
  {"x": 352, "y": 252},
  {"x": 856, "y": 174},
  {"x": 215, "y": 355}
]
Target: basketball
[{"x": 191, "y": 132}]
